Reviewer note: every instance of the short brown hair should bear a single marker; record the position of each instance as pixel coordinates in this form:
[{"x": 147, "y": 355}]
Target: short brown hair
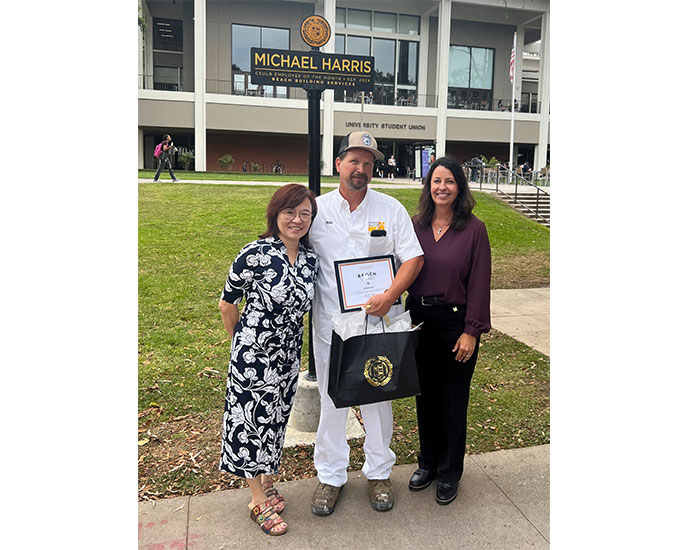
[{"x": 288, "y": 196}]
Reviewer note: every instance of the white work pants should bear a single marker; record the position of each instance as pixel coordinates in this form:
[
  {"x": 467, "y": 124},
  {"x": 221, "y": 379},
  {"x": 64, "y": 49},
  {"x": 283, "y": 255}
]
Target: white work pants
[{"x": 331, "y": 455}]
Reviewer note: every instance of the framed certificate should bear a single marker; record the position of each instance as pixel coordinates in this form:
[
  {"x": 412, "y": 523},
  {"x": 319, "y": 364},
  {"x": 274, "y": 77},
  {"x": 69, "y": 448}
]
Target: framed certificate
[{"x": 361, "y": 278}]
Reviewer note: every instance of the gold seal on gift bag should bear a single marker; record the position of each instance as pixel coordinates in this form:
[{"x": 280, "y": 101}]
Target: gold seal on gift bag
[{"x": 378, "y": 370}]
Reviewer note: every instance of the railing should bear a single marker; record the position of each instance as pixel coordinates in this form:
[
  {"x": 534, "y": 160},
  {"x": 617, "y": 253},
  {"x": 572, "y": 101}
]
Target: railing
[
  {"x": 169, "y": 84},
  {"x": 503, "y": 105},
  {"x": 214, "y": 86},
  {"x": 492, "y": 178},
  {"x": 379, "y": 97}
]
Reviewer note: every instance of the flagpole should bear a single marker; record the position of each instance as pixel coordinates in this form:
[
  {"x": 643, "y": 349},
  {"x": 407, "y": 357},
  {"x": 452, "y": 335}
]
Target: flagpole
[{"x": 513, "y": 106}]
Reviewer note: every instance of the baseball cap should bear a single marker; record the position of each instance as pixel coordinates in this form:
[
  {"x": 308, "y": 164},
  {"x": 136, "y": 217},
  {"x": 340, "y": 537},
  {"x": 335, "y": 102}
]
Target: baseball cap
[{"x": 360, "y": 140}]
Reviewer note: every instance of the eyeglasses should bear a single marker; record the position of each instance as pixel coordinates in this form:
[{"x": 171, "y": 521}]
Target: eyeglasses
[{"x": 291, "y": 214}]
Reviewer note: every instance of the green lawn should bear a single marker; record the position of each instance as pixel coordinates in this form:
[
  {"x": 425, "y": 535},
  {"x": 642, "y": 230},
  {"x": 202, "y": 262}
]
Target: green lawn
[{"x": 188, "y": 237}]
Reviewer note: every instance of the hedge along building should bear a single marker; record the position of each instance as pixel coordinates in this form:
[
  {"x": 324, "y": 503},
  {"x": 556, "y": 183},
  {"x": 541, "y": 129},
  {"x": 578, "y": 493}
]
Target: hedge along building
[{"x": 441, "y": 80}]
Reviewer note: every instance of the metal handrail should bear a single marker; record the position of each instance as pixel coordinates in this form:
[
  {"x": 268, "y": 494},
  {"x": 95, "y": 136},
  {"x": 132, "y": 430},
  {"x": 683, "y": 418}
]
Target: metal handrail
[
  {"x": 493, "y": 178},
  {"x": 513, "y": 176}
]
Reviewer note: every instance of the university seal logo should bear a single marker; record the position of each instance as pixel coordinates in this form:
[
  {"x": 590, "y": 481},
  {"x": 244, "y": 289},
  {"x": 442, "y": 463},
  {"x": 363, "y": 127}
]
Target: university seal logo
[
  {"x": 378, "y": 370},
  {"x": 315, "y": 31}
]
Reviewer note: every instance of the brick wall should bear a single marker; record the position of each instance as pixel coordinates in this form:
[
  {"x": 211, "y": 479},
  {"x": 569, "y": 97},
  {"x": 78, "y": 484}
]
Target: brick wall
[{"x": 266, "y": 150}]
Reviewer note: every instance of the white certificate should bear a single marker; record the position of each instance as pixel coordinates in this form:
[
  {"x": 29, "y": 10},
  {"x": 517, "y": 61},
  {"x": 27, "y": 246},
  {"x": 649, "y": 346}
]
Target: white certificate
[{"x": 361, "y": 278}]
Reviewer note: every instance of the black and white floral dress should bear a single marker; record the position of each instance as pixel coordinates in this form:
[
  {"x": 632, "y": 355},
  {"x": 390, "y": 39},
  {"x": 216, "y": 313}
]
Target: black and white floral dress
[{"x": 266, "y": 353}]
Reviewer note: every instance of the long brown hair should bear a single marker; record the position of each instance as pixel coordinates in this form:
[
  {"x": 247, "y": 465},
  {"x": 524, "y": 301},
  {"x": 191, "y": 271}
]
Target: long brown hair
[
  {"x": 288, "y": 196},
  {"x": 463, "y": 204}
]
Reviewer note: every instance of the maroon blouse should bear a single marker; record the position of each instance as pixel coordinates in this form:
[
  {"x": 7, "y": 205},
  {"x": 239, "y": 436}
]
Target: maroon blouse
[{"x": 457, "y": 269}]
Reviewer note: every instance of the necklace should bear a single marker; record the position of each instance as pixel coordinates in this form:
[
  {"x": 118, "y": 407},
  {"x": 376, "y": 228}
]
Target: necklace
[{"x": 439, "y": 229}]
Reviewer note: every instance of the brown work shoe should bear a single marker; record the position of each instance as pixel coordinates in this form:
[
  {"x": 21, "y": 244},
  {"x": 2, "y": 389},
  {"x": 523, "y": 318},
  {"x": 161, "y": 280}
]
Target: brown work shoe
[
  {"x": 324, "y": 499},
  {"x": 381, "y": 496}
]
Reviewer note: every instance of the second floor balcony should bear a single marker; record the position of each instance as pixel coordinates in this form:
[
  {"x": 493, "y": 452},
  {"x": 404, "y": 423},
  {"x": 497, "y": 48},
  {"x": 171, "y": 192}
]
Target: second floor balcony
[{"x": 380, "y": 96}]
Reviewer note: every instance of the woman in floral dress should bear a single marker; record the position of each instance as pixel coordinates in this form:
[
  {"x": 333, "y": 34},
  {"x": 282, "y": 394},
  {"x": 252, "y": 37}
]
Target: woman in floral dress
[{"x": 276, "y": 275}]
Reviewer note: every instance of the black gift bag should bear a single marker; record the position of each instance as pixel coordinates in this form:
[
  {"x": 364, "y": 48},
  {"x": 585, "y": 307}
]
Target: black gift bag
[{"x": 373, "y": 367}]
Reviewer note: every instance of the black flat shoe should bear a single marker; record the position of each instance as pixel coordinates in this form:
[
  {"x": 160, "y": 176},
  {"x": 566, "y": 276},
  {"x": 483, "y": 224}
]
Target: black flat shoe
[
  {"x": 421, "y": 479},
  {"x": 446, "y": 491}
]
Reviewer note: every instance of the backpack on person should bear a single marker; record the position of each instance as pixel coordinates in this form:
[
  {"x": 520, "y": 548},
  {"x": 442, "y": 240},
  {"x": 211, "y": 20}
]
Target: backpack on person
[{"x": 158, "y": 150}]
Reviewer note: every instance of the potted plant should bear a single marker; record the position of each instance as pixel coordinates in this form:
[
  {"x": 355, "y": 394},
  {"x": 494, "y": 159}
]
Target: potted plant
[
  {"x": 226, "y": 162},
  {"x": 185, "y": 160}
]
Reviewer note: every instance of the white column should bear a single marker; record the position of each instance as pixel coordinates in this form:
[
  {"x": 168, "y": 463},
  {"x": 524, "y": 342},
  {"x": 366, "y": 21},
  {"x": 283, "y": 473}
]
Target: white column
[
  {"x": 141, "y": 149},
  {"x": 327, "y": 149},
  {"x": 423, "y": 58},
  {"x": 540, "y": 160},
  {"x": 199, "y": 85},
  {"x": 443, "y": 32}
]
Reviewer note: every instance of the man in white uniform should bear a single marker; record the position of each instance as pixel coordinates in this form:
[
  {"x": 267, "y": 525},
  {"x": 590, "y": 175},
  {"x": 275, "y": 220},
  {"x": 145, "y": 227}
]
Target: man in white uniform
[{"x": 341, "y": 231}]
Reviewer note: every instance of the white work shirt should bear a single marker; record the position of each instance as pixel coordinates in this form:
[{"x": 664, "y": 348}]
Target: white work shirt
[{"x": 338, "y": 234}]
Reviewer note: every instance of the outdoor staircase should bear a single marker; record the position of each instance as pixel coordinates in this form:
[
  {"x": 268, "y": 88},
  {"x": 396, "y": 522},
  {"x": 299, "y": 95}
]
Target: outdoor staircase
[{"x": 529, "y": 204}]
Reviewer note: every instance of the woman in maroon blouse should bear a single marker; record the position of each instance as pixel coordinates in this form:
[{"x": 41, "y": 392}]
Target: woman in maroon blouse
[{"x": 451, "y": 297}]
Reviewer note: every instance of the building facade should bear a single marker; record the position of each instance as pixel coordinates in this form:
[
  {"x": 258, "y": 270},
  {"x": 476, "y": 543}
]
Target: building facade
[{"x": 442, "y": 80}]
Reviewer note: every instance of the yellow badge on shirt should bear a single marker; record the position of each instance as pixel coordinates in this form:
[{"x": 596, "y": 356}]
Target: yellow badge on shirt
[{"x": 372, "y": 226}]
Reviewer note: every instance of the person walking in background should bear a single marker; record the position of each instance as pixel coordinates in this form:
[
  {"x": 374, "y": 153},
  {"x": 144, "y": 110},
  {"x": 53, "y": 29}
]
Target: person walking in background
[
  {"x": 476, "y": 165},
  {"x": 276, "y": 274},
  {"x": 343, "y": 231},
  {"x": 167, "y": 147},
  {"x": 392, "y": 163},
  {"x": 451, "y": 297}
]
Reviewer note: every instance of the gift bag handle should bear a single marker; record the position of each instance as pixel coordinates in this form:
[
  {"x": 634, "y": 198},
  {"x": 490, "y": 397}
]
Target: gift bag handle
[
  {"x": 366, "y": 325},
  {"x": 365, "y": 334}
]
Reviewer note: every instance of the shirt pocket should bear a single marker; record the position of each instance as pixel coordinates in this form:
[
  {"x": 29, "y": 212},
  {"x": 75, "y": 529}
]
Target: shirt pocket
[{"x": 380, "y": 246}]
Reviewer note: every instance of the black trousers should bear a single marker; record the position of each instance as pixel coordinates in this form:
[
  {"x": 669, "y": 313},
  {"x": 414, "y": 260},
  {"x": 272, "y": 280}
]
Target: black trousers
[
  {"x": 445, "y": 383},
  {"x": 164, "y": 162}
]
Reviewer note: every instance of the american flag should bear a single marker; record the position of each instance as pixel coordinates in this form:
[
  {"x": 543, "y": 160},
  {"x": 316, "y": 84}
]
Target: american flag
[{"x": 511, "y": 65}]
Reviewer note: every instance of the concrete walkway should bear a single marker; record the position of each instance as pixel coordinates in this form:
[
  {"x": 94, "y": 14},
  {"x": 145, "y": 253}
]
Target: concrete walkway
[
  {"x": 376, "y": 183},
  {"x": 503, "y": 503},
  {"x": 523, "y": 314}
]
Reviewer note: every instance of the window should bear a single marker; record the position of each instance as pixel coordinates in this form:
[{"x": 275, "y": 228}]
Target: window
[
  {"x": 384, "y": 53},
  {"x": 167, "y": 78},
  {"x": 396, "y": 60},
  {"x": 385, "y": 22},
  {"x": 359, "y": 19},
  {"x": 357, "y": 45},
  {"x": 482, "y": 62},
  {"x": 409, "y": 24},
  {"x": 470, "y": 77},
  {"x": 408, "y": 63},
  {"x": 245, "y": 37},
  {"x": 340, "y": 20},
  {"x": 339, "y": 43}
]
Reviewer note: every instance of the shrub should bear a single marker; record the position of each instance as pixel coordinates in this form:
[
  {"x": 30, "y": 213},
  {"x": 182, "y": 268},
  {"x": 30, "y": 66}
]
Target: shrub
[
  {"x": 185, "y": 160},
  {"x": 226, "y": 162},
  {"x": 489, "y": 163}
]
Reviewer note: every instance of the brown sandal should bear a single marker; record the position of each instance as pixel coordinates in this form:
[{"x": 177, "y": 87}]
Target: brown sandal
[
  {"x": 276, "y": 500},
  {"x": 266, "y": 516}
]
